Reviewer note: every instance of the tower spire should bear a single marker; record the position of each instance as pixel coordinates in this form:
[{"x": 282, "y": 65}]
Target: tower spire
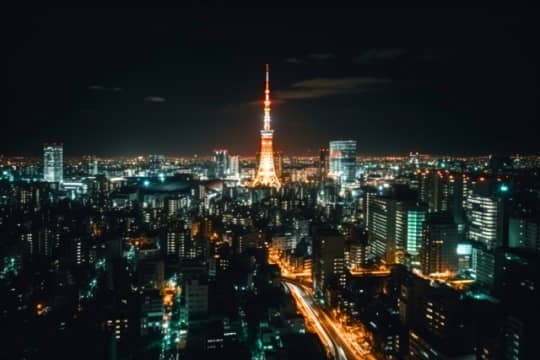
[
  {"x": 267, "y": 101},
  {"x": 266, "y": 172}
]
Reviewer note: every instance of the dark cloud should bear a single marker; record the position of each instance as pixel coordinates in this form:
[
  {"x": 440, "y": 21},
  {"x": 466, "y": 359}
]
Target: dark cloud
[
  {"x": 380, "y": 54},
  {"x": 155, "y": 99},
  {"x": 320, "y": 87},
  {"x": 322, "y": 56},
  {"x": 103, "y": 88},
  {"x": 294, "y": 60}
]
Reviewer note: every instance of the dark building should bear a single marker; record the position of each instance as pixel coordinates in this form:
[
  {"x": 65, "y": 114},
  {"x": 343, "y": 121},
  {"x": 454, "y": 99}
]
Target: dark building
[
  {"x": 439, "y": 320},
  {"x": 517, "y": 282},
  {"x": 328, "y": 259},
  {"x": 439, "y": 244},
  {"x": 324, "y": 164}
]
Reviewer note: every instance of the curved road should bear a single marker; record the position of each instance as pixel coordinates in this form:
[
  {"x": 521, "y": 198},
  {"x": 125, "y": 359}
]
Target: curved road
[{"x": 332, "y": 337}]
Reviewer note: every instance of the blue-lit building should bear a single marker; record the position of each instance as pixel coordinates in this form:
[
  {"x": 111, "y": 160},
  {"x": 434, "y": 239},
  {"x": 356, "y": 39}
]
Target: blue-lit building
[
  {"x": 221, "y": 158},
  {"x": 53, "y": 162},
  {"x": 343, "y": 160},
  {"x": 415, "y": 221}
]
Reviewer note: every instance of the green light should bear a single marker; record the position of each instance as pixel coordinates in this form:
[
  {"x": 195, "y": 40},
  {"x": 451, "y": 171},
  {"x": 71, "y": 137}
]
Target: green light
[
  {"x": 504, "y": 188},
  {"x": 146, "y": 183}
]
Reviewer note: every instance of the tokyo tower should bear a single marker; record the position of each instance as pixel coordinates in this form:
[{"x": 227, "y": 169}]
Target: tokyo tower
[{"x": 266, "y": 171}]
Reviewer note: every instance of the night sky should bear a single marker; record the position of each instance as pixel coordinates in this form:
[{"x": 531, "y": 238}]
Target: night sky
[{"x": 186, "y": 81}]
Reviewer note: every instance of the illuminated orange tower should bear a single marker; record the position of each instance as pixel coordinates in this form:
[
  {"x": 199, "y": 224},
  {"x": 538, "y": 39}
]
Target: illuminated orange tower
[{"x": 266, "y": 171}]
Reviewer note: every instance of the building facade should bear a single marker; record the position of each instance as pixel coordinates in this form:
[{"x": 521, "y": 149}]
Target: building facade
[
  {"x": 53, "y": 162},
  {"x": 343, "y": 160}
]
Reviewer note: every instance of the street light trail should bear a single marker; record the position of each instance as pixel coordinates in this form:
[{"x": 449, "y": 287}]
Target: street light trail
[
  {"x": 312, "y": 316},
  {"x": 329, "y": 332}
]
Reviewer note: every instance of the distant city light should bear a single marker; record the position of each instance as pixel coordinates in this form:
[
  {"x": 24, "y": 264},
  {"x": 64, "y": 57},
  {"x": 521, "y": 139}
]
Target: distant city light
[
  {"x": 146, "y": 183},
  {"x": 504, "y": 188}
]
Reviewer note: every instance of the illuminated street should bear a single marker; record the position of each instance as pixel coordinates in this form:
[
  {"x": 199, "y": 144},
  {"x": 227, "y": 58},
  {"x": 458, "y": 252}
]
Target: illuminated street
[{"x": 336, "y": 340}]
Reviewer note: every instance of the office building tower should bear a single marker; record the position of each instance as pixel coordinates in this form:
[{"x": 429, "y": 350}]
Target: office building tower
[
  {"x": 441, "y": 322},
  {"x": 441, "y": 191},
  {"x": 221, "y": 159},
  {"x": 359, "y": 250},
  {"x": 517, "y": 284},
  {"x": 415, "y": 222},
  {"x": 195, "y": 290},
  {"x": 388, "y": 220},
  {"x": 324, "y": 163},
  {"x": 266, "y": 171},
  {"x": 328, "y": 267},
  {"x": 53, "y": 162},
  {"x": 483, "y": 265},
  {"x": 380, "y": 225},
  {"x": 177, "y": 240},
  {"x": 91, "y": 165},
  {"x": 151, "y": 312},
  {"x": 524, "y": 232},
  {"x": 485, "y": 219},
  {"x": 233, "y": 168},
  {"x": 439, "y": 244},
  {"x": 343, "y": 160}
]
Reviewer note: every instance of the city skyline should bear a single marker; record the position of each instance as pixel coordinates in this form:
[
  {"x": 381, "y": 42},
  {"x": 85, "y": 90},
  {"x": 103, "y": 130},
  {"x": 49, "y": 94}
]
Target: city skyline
[
  {"x": 374, "y": 195},
  {"x": 147, "y": 82}
]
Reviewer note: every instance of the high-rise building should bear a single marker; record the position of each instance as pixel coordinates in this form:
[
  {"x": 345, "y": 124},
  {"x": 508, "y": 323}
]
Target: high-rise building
[
  {"x": 440, "y": 321},
  {"x": 485, "y": 214},
  {"x": 380, "y": 226},
  {"x": 524, "y": 232},
  {"x": 483, "y": 264},
  {"x": 439, "y": 244},
  {"x": 394, "y": 226},
  {"x": 233, "y": 168},
  {"x": 443, "y": 191},
  {"x": 517, "y": 280},
  {"x": 324, "y": 164},
  {"x": 221, "y": 158},
  {"x": 343, "y": 160},
  {"x": 266, "y": 171},
  {"x": 358, "y": 250},
  {"x": 53, "y": 162},
  {"x": 328, "y": 259},
  {"x": 91, "y": 165},
  {"x": 415, "y": 222}
]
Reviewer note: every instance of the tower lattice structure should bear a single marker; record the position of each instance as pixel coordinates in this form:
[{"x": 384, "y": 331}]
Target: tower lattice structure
[{"x": 266, "y": 170}]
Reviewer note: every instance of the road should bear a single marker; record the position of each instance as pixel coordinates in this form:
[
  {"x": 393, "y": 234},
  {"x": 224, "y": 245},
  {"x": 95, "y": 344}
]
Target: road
[{"x": 339, "y": 343}]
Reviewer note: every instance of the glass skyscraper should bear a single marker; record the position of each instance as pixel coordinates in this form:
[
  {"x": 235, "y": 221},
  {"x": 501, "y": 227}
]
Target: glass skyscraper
[
  {"x": 343, "y": 160},
  {"x": 221, "y": 159},
  {"x": 415, "y": 222},
  {"x": 53, "y": 162}
]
